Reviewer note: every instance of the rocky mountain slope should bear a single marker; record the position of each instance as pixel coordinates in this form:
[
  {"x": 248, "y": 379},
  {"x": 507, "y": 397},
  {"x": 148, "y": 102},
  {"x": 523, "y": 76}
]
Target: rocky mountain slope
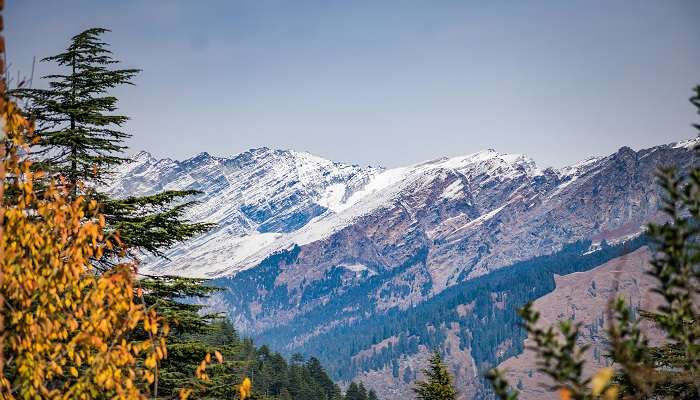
[
  {"x": 256, "y": 198},
  {"x": 308, "y": 248},
  {"x": 584, "y": 297}
]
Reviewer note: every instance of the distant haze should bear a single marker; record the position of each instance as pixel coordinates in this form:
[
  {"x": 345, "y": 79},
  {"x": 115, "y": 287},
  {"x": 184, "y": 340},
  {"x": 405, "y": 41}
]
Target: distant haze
[{"x": 387, "y": 83}]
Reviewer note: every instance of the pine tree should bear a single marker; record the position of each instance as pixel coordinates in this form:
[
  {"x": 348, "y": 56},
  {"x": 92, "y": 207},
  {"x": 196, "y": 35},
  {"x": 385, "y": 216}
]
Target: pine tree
[
  {"x": 362, "y": 391},
  {"x": 337, "y": 394},
  {"x": 193, "y": 334},
  {"x": 81, "y": 141},
  {"x": 79, "y": 136},
  {"x": 67, "y": 331},
  {"x": 438, "y": 385},
  {"x": 353, "y": 392},
  {"x": 372, "y": 395},
  {"x": 320, "y": 376}
]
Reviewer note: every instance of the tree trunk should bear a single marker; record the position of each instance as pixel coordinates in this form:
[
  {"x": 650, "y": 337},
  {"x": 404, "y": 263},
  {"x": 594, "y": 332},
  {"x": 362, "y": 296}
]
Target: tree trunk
[{"x": 73, "y": 178}]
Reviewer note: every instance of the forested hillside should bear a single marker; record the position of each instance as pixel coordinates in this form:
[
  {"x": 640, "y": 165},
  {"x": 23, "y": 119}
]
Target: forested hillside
[
  {"x": 476, "y": 321},
  {"x": 272, "y": 376}
]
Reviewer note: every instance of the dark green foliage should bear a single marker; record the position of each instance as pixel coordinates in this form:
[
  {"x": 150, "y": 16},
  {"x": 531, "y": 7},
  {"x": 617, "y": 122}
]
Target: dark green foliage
[
  {"x": 152, "y": 223},
  {"x": 677, "y": 262},
  {"x": 372, "y": 395},
  {"x": 438, "y": 383},
  {"x": 358, "y": 391},
  {"x": 174, "y": 298},
  {"x": 362, "y": 391},
  {"x": 194, "y": 335},
  {"x": 79, "y": 133},
  {"x": 80, "y": 141},
  {"x": 355, "y": 393},
  {"x": 272, "y": 376}
]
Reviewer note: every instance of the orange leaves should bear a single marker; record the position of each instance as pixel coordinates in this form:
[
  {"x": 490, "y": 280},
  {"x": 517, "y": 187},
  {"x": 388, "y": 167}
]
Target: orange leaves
[
  {"x": 69, "y": 332},
  {"x": 150, "y": 323},
  {"x": 200, "y": 371},
  {"x": 600, "y": 387},
  {"x": 184, "y": 394},
  {"x": 564, "y": 394},
  {"x": 600, "y": 380}
]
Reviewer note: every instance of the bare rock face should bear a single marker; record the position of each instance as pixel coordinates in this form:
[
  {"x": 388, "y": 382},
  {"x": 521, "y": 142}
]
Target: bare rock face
[
  {"x": 306, "y": 247},
  {"x": 584, "y": 297}
]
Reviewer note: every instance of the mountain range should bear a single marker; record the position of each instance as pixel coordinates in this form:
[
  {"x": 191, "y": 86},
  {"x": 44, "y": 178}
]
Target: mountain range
[{"x": 370, "y": 268}]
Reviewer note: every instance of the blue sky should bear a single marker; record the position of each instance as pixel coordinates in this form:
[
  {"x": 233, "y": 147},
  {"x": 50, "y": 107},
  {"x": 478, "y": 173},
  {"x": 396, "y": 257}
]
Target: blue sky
[{"x": 388, "y": 82}]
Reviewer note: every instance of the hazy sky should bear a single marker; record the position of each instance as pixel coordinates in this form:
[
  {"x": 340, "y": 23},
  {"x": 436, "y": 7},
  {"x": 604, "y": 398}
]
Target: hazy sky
[{"x": 388, "y": 82}]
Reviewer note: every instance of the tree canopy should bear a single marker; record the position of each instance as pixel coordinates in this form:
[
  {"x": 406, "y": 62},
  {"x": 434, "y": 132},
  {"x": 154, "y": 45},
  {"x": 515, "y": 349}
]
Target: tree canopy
[{"x": 438, "y": 381}]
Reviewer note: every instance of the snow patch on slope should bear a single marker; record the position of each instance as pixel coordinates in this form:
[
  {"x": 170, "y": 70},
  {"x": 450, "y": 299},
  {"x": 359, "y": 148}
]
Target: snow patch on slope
[{"x": 453, "y": 190}]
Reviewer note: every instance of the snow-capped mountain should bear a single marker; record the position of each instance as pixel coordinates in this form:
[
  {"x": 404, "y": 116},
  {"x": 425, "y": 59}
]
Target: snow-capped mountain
[
  {"x": 264, "y": 200},
  {"x": 306, "y": 247},
  {"x": 256, "y": 198}
]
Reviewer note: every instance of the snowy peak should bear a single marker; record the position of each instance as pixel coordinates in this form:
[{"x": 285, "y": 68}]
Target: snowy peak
[
  {"x": 267, "y": 200},
  {"x": 689, "y": 144},
  {"x": 142, "y": 156}
]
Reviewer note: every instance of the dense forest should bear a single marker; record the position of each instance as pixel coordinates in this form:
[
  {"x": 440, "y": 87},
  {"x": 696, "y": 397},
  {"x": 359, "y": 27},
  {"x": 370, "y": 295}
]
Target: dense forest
[
  {"x": 195, "y": 334},
  {"x": 484, "y": 329},
  {"x": 272, "y": 376}
]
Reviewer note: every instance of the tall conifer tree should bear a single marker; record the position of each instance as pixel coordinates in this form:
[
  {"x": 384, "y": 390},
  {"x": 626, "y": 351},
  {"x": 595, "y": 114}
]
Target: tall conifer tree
[
  {"x": 81, "y": 141},
  {"x": 353, "y": 392},
  {"x": 438, "y": 385},
  {"x": 80, "y": 136},
  {"x": 372, "y": 395},
  {"x": 80, "y": 144}
]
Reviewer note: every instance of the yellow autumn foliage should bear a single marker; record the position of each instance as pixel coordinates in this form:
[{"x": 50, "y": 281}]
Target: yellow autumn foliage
[
  {"x": 600, "y": 380},
  {"x": 246, "y": 388},
  {"x": 67, "y": 328}
]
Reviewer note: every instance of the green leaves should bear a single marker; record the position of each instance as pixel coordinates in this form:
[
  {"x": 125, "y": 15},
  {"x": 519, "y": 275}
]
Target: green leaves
[
  {"x": 676, "y": 262},
  {"x": 500, "y": 385},
  {"x": 438, "y": 384},
  {"x": 153, "y": 223},
  {"x": 558, "y": 356}
]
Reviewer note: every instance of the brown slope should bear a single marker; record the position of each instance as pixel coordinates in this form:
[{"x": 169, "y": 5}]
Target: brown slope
[{"x": 583, "y": 297}]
